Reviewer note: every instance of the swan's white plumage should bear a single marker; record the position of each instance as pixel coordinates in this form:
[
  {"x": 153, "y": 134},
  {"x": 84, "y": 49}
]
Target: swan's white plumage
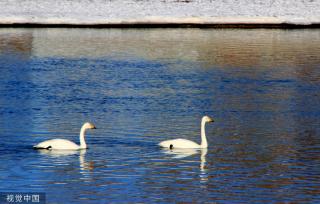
[
  {"x": 62, "y": 144},
  {"x": 183, "y": 143},
  {"x": 57, "y": 144},
  {"x": 179, "y": 143}
]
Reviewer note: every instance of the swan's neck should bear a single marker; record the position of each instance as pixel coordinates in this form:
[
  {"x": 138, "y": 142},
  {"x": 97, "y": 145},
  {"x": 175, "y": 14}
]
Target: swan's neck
[
  {"x": 83, "y": 144},
  {"x": 204, "y": 143}
]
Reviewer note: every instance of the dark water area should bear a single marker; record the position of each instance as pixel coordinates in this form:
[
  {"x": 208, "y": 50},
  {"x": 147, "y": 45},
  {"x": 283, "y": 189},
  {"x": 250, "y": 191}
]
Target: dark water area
[{"x": 140, "y": 87}]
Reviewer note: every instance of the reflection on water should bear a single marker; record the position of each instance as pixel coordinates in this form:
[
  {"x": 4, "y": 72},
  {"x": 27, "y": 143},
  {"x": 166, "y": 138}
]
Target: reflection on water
[
  {"x": 60, "y": 153},
  {"x": 144, "y": 86},
  {"x": 86, "y": 167},
  {"x": 182, "y": 153}
]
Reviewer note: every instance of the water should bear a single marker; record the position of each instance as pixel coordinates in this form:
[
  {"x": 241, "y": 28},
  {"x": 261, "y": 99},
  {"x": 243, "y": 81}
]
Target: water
[{"x": 140, "y": 87}]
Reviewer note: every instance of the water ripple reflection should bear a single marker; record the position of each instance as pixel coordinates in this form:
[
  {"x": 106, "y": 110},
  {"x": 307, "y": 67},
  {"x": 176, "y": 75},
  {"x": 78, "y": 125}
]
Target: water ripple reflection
[{"x": 140, "y": 87}]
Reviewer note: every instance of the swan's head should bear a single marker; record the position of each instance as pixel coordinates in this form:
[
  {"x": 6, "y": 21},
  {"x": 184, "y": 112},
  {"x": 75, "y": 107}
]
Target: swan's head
[
  {"x": 207, "y": 119},
  {"x": 88, "y": 126}
]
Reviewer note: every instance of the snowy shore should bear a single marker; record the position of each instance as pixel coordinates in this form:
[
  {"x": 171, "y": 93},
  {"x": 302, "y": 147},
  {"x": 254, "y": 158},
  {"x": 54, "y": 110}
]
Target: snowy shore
[{"x": 159, "y": 12}]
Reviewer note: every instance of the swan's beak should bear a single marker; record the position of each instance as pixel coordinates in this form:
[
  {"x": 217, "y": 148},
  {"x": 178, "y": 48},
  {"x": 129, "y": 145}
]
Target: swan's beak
[
  {"x": 211, "y": 120},
  {"x": 94, "y": 127}
]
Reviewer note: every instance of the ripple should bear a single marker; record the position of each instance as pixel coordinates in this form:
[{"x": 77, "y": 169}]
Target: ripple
[{"x": 261, "y": 90}]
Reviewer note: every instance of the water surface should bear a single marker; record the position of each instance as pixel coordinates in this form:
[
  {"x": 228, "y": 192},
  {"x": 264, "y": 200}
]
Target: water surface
[{"x": 140, "y": 87}]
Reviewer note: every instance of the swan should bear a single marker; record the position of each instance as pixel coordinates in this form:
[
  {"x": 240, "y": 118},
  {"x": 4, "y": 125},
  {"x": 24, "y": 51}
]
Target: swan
[
  {"x": 183, "y": 143},
  {"x": 62, "y": 144}
]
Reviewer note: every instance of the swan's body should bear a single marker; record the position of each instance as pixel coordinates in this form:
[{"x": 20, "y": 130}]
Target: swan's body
[
  {"x": 179, "y": 143},
  {"x": 183, "y": 143},
  {"x": 62, "y": 144}
]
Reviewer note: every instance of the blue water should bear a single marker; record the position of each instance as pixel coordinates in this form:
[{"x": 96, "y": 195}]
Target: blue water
[{"x": 140, "y": 87}]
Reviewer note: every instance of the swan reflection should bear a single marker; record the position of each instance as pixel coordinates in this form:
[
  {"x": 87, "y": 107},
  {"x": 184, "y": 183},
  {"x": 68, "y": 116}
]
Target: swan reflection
[
  {"x": 182, "y": 153},
  {"x": 84, "y": 165},
  {"x": 59, "y": 155},
  {"x": 203, "y": 174}
]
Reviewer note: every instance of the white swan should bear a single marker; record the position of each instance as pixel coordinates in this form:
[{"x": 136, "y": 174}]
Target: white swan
[
  {"x": 62, "y": 144},
  {"x": 183, "y": 143}
]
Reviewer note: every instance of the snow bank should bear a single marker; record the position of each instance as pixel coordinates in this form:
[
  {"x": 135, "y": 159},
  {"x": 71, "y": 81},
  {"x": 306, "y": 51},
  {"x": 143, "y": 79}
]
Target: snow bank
[{"x": 126, "y": 12}]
